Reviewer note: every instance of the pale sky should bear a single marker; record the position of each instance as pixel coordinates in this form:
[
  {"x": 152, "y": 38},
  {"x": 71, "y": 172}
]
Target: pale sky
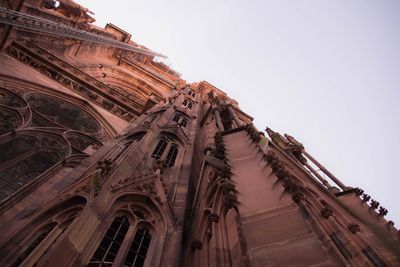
[{"x": 326, "y": 72}]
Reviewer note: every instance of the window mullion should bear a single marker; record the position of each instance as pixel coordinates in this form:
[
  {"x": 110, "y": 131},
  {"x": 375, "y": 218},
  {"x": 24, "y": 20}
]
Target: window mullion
[
  {"x": 124, "y": 249},
  {"x": 164, "y": 155},
  {"x": 139, "y": 246}
]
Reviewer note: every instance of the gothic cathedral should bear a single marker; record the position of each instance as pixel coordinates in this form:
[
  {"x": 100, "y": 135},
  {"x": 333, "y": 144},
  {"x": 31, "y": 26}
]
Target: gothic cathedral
[{"x": 109, "y": 158}]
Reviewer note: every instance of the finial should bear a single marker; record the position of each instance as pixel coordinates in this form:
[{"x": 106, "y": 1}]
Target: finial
[{"x": 270, "y": 132}]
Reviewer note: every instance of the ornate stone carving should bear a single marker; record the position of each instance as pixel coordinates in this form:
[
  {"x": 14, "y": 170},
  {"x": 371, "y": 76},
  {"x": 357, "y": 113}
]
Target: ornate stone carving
[
  {"x": 382, "y": 211},
  {"x": 18, "y": 19},
  {"x": 365, "y": 197},
  {"x": 374, "y": 204},
  {"x": 196, "y": 245},
  {"x": 353, "y": 228},
  {"x": 358, "y": 191},
  {"x": 253, "y": 133},
  {"x": 213, "y": 217},
  {"x": 80, "y": 82},
  {"x": 326, "y": 213},
  {"x": 229, "y": 193}
]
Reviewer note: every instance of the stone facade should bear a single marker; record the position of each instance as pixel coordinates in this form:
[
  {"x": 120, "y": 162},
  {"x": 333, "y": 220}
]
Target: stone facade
[{"x": 109, "y": 158}]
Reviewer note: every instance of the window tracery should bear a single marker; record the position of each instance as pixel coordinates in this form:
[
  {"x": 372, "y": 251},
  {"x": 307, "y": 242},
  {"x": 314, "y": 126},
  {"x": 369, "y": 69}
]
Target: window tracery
[
  {"x": 180, "y": 119},
  {"x": 111, "y": 243},
  {"x": 131, "y": 229},
  {"x": 187, "y": 103},
  {"x": 160, "y": 148},
  {"x": 138, "y": 249},
  {"x": 166, "y": 144},
  {"x": 25, "y": 157},
  {"x": 171, "y": 157},
  {"x": 63, "y": 113},
  {"x": 27, "y": 153}
]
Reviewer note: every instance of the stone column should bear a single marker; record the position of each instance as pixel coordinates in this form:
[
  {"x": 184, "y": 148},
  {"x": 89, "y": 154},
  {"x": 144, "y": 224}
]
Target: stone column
[
  {"x": 218, "y": 119},
  {"x": 322, "y": 168},
  {"x": 316, "y": 174},
  {"x": 234, "y": 116}
]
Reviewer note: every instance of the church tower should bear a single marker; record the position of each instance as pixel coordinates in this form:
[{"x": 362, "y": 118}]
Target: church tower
[{"x": 109, "y": 158}]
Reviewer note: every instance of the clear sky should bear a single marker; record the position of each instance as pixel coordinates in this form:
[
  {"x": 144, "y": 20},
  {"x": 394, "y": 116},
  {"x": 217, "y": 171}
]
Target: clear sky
[{"x": 326, "y": 72}]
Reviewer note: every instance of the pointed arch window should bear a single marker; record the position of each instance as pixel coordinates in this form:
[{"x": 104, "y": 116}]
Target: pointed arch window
[
  {"x": 160, "y": 148},
  {"x": 184, "y": 122},
  {"x": 171, "y": 156},
  {"x": 166, "y": 151},
  {"x": 187, "y": 103},
  {"x": 176, "y": 118},
  {"x": 35, "y": 243},
  {"x": 138, "y": 249},
  {"x": 180, "y": 119},
  {"x": 43, "y": 237},
  {"x": 111, "y": 243}
]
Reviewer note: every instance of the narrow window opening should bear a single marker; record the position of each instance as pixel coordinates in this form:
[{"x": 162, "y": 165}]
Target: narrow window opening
[
  {"x": 109, "y": 246},
  {"x": 159, "y": 150},
  {"x": 184, "y": 122},
  {"x": 176, "y": 117},
  {"x": 171, "y": 157},
  {"x": 138, "y": 249},
  {"x": 190, "y": 105}
]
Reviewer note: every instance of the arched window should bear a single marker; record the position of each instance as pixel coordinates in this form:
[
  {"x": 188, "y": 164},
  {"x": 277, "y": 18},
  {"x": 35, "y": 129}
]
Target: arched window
[
  {"x": 138, "y": 249},
  {"x": 159, "y": 150},
  {"x": 41, "y": 235},
  {"x": 176, "y": 117},
  {"x": 167, "y": 143},
  {"x": 26, "y": 156},
  {"x": 187, "y": 103},
  {"x": 183, "y": 122},
  {"x": 180, "y": 119},
  {"x": 109, "y": 246},
  {"x": 171, "y": 157},
  {"x": 63, "y": 113},
  {"x": 54, "y": 223}
]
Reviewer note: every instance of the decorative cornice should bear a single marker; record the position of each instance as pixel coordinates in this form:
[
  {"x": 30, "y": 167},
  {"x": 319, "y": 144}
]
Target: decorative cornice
[{"x": 74, "y": 79}]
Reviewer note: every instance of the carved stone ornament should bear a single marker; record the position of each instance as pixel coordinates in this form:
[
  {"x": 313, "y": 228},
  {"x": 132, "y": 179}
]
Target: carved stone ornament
[
  {"x": 93, "y": 90},
  {"x": 358, "y": 191},
  {"x": 213, "y": 217},
  {"x": 374, "y": 204},
  {"x": 196, "y": 245},
  {"x": 382, "y": 211},
  {"x": 353, "y": 228},
  {"x": 326, "y": 213},
  {"x": 365, "y": 197}
]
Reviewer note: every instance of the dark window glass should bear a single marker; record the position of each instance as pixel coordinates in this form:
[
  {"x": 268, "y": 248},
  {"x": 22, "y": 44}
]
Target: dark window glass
[
  {"x": 176, "y": 117},
  {"x": 35, "y": 243},
  {"x": 63, "y": 113},
  {"x": 109, "y": 246},
  {"x": 190, "y": 105},
  {"x": 185, "y": 102},
  {"x": 159, "y": 150},
  {"x": 172, "y": 153},
  {"x": 22, "y": 172},
  {"x": 138, "y": 249},
  {"x": 184, "y": 122}
]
